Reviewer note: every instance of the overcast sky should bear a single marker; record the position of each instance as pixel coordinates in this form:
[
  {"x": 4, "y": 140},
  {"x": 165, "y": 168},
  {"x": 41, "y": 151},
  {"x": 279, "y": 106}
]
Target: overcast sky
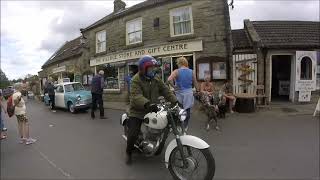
[{"x": 32, "y": 30}]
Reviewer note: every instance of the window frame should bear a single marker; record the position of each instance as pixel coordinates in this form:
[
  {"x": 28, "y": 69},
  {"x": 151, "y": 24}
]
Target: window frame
[
  {"x": 105, "y": 41},
  {"x": 172, "y": 24},
  {"x": 211, "y": 60},
  {"x": 308, "y": 66},
  {"x": 127, "y": 30}
]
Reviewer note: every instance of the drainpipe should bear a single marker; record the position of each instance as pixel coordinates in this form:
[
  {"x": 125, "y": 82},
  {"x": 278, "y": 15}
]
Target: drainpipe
[{"x": 228, "y": 39}]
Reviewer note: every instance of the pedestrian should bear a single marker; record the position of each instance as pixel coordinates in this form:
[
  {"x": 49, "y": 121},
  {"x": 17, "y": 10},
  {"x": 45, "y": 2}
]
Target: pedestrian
[
  {"x": 50, "y": 90},
  {"x": 23, "y": 122},
  {"x": 97, "y": 84},
  {"x": 182, "y": 79},
  {"x": 3, "y": 111},
  {"x": 228, "y": 94}
]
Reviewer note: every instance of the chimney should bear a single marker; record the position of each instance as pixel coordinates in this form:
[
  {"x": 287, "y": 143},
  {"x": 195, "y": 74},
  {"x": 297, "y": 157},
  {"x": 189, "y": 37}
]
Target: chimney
[{"x": 119, "y": 5}]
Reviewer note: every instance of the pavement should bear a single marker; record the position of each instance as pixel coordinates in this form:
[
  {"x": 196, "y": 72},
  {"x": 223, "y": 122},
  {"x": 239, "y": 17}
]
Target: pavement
[{"x": 268, "y": 144}]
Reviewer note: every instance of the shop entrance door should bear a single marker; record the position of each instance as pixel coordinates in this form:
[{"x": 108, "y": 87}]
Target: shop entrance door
[{"x": 281, "y": 73}]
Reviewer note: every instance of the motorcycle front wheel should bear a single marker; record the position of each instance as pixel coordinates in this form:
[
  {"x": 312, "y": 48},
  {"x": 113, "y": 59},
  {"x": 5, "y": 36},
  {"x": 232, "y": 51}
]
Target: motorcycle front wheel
[{"x": 200, "y": 164}]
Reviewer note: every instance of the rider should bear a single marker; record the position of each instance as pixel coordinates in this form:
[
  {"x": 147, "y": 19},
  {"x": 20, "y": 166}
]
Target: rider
[{"x": 146, "y": 87}]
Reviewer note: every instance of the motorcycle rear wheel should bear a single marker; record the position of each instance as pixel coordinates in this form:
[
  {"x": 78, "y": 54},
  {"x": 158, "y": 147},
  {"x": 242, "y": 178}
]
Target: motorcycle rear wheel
[{"x": 194, "y": 164}]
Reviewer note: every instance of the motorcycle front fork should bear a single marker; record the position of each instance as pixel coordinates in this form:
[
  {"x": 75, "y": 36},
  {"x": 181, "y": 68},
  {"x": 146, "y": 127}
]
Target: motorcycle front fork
[{"x": 179, "y": 143}]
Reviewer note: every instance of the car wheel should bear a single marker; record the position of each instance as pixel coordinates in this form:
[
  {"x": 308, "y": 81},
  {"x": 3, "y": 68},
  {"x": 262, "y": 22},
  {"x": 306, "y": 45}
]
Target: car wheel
[{"x": 71, "y": 107}]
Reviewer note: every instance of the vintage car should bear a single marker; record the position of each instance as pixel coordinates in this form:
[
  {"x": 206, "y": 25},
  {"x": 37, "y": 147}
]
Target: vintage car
[{"x": 71, "y": 96}]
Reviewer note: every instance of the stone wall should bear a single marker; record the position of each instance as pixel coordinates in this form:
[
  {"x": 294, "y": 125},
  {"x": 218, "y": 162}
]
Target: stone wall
[{"x": 209, "y": 22}]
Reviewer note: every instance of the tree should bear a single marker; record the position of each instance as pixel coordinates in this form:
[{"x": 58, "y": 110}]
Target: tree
[{"x": 4, "y": 82}]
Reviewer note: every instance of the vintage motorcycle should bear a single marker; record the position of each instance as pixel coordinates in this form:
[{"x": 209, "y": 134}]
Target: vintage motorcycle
[{"x": 186, "y": 156}]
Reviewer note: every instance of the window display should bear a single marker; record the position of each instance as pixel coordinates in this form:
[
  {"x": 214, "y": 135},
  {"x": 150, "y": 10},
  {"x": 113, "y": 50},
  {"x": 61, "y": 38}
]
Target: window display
[
  {"x": 203, "y": 70},
  {"x": 219, "y": 70}
]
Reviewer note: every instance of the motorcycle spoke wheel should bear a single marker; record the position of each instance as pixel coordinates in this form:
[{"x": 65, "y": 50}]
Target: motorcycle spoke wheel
[{"x": 198, "y": 166}]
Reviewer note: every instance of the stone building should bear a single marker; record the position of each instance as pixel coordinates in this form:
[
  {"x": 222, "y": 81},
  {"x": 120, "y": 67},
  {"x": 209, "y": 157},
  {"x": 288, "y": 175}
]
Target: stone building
[
  {"x": 68, "y": 62},
  {"x": 165, "y": 29},
  {"x": 282, "y": 57}
]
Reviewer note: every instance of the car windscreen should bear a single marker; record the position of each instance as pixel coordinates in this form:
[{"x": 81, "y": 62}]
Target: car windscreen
[{"x": 73, "y": 87}]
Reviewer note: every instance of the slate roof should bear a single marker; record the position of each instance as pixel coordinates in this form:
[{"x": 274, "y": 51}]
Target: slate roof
[
  {"x": 275, "y": 34},
  {"x": 137, "y": 7},
  {"x": 240, "y": 39},
  {"x": 69, "y": 49},
  {"x": 282, "y": 34}
]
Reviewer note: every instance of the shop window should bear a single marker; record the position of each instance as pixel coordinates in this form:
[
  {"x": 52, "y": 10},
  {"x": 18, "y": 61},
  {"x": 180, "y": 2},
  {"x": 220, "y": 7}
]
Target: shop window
[
  {"x": 134, "y": 31},
  {"x": 111, "y": 76},
  {"x": 86, "y": 79},
  {"x": 181, "y": 22},
  {"x": 169, "y": 64},
  {"x": 101, "y": 41},
  {"x": 306, "y": 69}
]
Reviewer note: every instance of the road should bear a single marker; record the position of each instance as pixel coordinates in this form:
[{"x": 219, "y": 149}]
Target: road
[{"x": 70, "y": 146}]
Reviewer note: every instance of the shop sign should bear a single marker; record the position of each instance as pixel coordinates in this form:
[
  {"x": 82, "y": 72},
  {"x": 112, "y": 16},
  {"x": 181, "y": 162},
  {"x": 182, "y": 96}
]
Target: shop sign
[
  {"x": 303, "y": 84},
  {"x": 304, "y": 96},
  {"x": 59, "y": 69},
  {"x": 173, "y": 48}
]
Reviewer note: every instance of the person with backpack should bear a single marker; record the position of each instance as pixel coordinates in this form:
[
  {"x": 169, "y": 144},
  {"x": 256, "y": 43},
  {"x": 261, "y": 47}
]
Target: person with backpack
[{"x": 17, "y": 106}]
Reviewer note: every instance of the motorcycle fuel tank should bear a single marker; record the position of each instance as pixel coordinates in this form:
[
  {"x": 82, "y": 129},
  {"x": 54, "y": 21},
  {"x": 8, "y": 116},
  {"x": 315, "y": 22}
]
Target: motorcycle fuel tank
[{"x": 156, "y": 120}]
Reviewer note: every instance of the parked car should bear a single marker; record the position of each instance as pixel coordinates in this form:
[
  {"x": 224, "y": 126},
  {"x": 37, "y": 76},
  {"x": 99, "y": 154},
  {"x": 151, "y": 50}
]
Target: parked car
[
  {"x": 71, "y": 96},
  {"x": 30, "y": 95},
  {"x": 7, "y": 92}
]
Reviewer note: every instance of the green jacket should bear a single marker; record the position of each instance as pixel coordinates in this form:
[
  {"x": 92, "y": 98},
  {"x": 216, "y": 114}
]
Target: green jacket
[{"x": 143, "y": 91}]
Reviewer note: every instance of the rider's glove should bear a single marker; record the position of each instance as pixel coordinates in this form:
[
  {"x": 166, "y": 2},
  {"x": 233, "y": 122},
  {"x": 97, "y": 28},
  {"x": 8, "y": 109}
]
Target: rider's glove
[
  {"x": 152, "y": 107},
  {"x": 179, "y": 104}
]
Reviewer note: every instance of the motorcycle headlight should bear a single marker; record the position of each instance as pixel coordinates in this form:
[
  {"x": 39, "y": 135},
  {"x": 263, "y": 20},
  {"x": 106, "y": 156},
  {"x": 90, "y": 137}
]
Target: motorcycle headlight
[{"x": 183, "y": 114}]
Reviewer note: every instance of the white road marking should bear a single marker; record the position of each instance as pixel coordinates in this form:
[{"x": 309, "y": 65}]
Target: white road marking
[{"x": 53, "y": 164}]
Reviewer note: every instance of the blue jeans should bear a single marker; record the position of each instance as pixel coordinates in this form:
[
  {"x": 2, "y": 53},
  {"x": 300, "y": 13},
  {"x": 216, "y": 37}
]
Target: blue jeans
[{"x": 1, "y": 121}]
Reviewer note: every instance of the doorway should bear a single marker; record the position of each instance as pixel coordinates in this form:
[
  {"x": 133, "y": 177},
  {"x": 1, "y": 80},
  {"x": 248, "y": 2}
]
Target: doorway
[{"x": 281, "y": 73}]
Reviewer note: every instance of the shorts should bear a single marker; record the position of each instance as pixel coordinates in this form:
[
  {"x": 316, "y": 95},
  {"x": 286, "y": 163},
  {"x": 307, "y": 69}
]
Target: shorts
[{"x": 22, "y": 118}]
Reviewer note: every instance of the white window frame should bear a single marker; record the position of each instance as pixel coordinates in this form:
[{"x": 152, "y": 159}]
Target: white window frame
[
  {"x": 102, "y": 42},
  {"x": 127, "y": 30},
  {"x": 171, "y": 21}
]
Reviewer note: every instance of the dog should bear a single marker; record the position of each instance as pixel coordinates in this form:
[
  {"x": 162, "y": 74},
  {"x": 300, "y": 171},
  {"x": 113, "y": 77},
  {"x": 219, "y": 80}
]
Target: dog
[{"x": 213, "y": 106}]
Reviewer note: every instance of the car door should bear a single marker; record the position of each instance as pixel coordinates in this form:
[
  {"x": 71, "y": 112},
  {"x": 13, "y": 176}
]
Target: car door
[{"x": 59, "y": 97}]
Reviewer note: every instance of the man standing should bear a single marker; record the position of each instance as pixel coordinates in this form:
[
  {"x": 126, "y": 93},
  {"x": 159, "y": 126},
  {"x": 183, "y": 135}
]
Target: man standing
[
  {"x": 50, "y": 90},
  {"x": 97, "y": 84}
]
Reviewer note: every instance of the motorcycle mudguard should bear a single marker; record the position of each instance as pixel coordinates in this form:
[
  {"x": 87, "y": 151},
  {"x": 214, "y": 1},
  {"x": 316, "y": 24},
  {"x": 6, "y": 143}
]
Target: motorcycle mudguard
[
  {"x": 124, "y": 118},
  {"x": 188, "y": 140}
]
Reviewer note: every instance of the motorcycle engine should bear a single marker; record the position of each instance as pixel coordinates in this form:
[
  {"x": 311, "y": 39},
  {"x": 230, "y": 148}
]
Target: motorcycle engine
[{"x": 150, "y": 138}]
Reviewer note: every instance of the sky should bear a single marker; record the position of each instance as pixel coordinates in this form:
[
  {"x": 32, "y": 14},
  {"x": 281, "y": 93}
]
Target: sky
[{"x": 31, "y": 31}]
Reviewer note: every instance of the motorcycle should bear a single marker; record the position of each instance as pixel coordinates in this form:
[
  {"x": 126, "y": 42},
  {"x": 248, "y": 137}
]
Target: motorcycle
[{"x": 186, "y": 156}]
